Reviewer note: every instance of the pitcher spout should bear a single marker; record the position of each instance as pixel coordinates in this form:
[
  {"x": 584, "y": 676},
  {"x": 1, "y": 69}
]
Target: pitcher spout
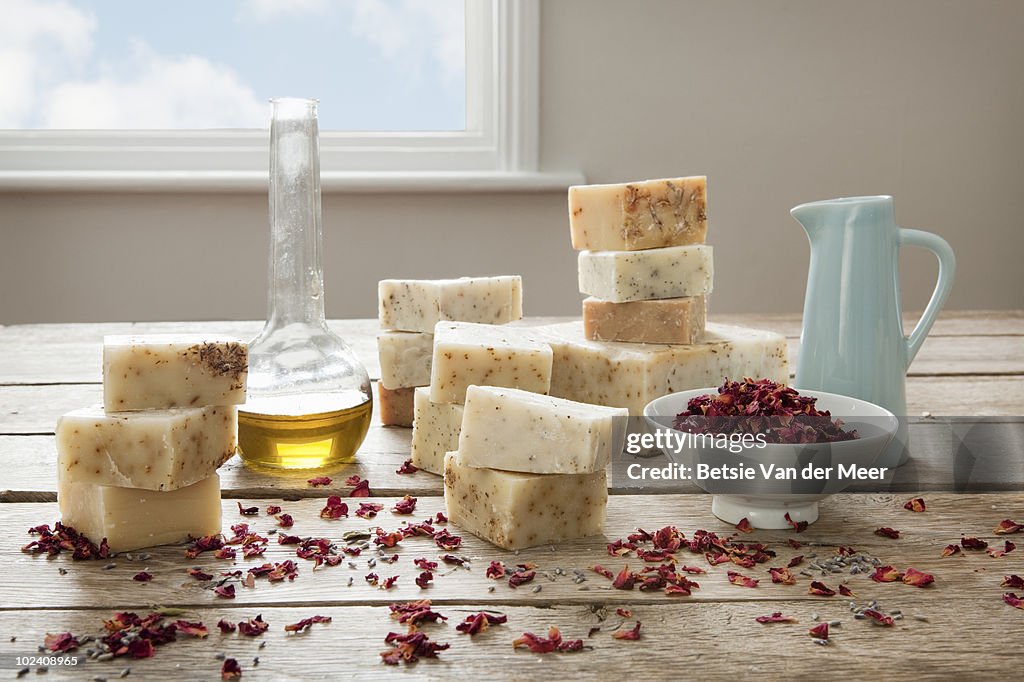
[{"x": 816, "y": 214}]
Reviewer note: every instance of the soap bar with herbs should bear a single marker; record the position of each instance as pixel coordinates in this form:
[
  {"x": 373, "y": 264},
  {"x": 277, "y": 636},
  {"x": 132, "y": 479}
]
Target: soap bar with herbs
[
  {"x": 435, "y": 431},
  {"x": 395, "y": 405},
  {"x": 667, "y": 320},
  {"x": 416, "y": 305},
  {"x": 131, "y": 519},
  {"x": 160, "y": 371},
  {"x": 513, "y": 430},
  {"x": 671, "y": 272},
  {"x": 486, "y": 355},
  {"x": 404, "y": 358},
  {"x": 515, "y": 510},
  {"x": 631, "y": 375},
  {"x": 149, "y": 449},
  {"x": 639, "y": 215}
]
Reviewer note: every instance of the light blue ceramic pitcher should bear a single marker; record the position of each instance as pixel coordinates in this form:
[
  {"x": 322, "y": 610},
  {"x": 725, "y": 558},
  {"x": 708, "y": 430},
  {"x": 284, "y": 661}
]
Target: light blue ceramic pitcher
[{"x": 852, "y": 340}]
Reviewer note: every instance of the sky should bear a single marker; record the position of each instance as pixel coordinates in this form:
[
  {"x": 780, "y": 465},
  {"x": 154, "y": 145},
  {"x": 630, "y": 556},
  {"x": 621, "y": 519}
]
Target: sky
[{"x": 373, "y": 64}]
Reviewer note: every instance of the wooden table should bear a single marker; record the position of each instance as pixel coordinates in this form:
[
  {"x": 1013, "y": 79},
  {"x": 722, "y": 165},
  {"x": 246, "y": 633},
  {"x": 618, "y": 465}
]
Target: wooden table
[{"x": 972, "y": 364}]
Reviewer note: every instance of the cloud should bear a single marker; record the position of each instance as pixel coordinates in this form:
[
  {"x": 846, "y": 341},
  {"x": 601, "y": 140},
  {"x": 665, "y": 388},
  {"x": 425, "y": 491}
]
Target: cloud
[
  {"x": 408, "y": 30},
  {"x": 178, "y": 92},
  {"x": 264, "y": 10}
]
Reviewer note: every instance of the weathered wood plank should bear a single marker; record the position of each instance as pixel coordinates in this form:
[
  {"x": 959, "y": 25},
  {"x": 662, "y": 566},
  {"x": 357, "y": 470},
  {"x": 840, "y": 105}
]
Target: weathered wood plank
[
  {"x": 35, "y": 409},
  {"x": 34, "y": 581},
  {"x": 30, "y": 474},
  {"x": 686, "y": 636},
  {"x": 961, "y": 343}
]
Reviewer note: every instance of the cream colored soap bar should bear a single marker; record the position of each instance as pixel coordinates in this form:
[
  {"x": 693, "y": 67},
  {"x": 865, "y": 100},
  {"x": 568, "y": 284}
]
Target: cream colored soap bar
[
  {"x": 160, "y": 371},
  {"x": 416, "y": 305},
  {"x": 672, "y": 272},
  {"x": 152, "y": 449},
  {"x": 668, "y": 320},
  {"x": 395, "y": 405},
  {"x": 486, "y": 355},
  {"x": 515, "y": 510},
  {"x": 513, "y": 430},
  {"x": 435, "y": 431},
  {"x": 639, "y": 215},
  {"x": 631, "y": 375},
  {"x": 404, "y": 359},
  {"x": 132, "y": 519}
]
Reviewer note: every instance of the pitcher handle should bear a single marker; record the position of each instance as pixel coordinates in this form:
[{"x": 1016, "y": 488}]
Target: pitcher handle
[{"x": 947, "y": 270}]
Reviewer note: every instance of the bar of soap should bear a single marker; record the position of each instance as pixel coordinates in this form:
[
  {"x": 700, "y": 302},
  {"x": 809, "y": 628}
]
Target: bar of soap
[
  {"x": 513, "y": 430},
  {"x": 486, "y": 355},
  {"x": 667, "y": 320},
  {"x": 631, "y": 375},
  {"x": 395, "y": 405},
  {"x": 416, "y": 305},
  {"x": 131, "y": 519},
  {"x": 639, "y": 215},
  {"x": 671, "y": 272},
  {"x": 404, "y": 358},
  {"x": 151, "y": 449},
  {"x": 515, "y": 510},
  {"x": 160, "y": 371},
  {"x": 435, "y": 431}
]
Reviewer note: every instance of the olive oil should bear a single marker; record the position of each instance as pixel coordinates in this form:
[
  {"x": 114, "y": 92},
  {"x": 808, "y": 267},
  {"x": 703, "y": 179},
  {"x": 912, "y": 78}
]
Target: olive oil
[{"x": 282, "y": 434}]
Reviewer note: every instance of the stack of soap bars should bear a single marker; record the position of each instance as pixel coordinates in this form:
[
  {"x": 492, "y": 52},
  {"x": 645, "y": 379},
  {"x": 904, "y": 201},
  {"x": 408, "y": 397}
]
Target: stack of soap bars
[
  {"x": 408, "y": 310},
  {"x": 141, "y": 470}
]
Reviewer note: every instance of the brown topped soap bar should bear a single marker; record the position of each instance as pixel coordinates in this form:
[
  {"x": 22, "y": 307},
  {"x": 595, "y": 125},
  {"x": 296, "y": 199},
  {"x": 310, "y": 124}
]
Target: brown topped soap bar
[{"x": 667, "y": 320}]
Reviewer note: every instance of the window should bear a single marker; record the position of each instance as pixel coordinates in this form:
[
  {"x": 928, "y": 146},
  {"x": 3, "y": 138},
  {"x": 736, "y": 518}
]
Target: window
[{"x": 432, "y": 93}]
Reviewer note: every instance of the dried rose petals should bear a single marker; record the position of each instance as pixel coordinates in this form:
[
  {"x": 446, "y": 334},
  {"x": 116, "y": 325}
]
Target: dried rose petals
[
  {"x": 887, "y": 532},
  {"x": 744, "y": 526},
  {"x": 423, "y": 579},
  {"x": 878, "y": 618},
  {"x": 798, "y": 526},
  {"x": 819, "y": 631},
  {"x": 625, "y": 580},
  {"x": 385, "y": 539},
  {"x": 776, "y": 617},
  {"x": 553, "y": 642},
  {"x": 285, "y": 520},
  {"x": 415, "y": 612},
  {"x": 795, "y": 561},
  {"x": 361, "y": 489},
  {"x": 207, "y": 543},
  {"x": 820, "y": 589},
  {"x": 273, "y": 510},
  {"x": 795, "y": 544},
  {"x": 440, "y": 518},
  {"x": 191, "y": 628},
  {"x": 782, "y": 576},
  {"x": 253, "y": 627},
  {"x": 248, "y": 511},
  {"x": 226, "y": 627},
  {"x": 445, "y": 540},
  {"x": 1007, "y": 527},
  {"x": 1013, "y": 600},
  {"x": 425, "y": 564},
  {"x": 353, "y": 480},
  {"x": 230, "y": 670},
  {"x": 917, "y": 578},
  {"x": 496, "y": 570},
  {"x": 915, "y": 505},
  {"x": 741, "y": 580},
  {"x": 973, "y": 543},
  {"x": 407, "y": 505},
  {"x": 410, "y": 647},
  {"x": 454, "y": 560},
  {"x": 334, "y": 509},
  {"x": 65, "y": 538},
  {"x": 306, "y": 623},
  {"x": 521, "y": 578},
  {"x": 319, "y": 481},
  {"x": 1014, "y": 581},
  {"x": 886, "y": 574},
  {"x": 226, "y": 591},
  {"x": 199, "y": 574},
  {"x": 225, "y": 553},
  {"x": 61, "y": 642},
  {"x": 372, "y": 578},
  {"x": 625, "y": 613},
  {"x": 407, "y": 468},
  {"x": 389, "y": 582},
  {"x": 633, "y": 634},
  {"x": 997, "y": 553},
  {"x": 368, "y": 510},
  {"x": 845, "y": 591},
  {"x": 950, "y": 550},
  {"x": 480, "y": 621}
]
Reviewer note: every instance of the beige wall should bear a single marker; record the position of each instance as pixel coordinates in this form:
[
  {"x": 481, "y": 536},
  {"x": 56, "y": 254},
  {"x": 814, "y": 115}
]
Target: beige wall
[{"x": 778, "y": 102}]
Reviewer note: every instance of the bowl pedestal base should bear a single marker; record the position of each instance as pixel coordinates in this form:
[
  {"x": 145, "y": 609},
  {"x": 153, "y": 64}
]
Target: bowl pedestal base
[{"x": 768, "y": 514}]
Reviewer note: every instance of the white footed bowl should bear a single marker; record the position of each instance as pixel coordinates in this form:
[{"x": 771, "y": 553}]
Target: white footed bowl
[{"x": 765, "y": 503}]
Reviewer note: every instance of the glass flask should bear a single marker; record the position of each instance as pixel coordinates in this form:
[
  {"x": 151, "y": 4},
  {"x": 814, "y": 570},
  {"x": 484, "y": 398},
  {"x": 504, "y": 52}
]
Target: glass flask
[{"x": 308, "y": 400}]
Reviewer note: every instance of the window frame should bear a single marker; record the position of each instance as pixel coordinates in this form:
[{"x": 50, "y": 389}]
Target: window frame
[{"x": 498, "y": 149}]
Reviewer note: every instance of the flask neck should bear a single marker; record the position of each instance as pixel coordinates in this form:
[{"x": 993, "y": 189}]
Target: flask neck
[{"x": 296, "y": 279}]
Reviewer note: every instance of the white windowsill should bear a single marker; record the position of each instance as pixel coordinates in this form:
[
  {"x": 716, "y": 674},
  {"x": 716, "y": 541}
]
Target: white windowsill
[{"x": 246, "y": 181}]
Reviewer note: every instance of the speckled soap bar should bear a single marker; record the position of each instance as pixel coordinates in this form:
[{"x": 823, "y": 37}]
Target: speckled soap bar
[
  {"x": 671, "y": 272},
  {"x": 416, "y": 305},
  {"x": 514, "y": 510},
  {"x": 435, "y": 431},
  {"x": 631, "y": 375},
  {"x": 486, "y": 355},
  {"x": 639, "y": 215},
  {"x": 160, "y": 371},
  {"x": 513, "y": 430},
  {"x": 151, "y": 449},
  {"x": 404, "y": 359}
]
